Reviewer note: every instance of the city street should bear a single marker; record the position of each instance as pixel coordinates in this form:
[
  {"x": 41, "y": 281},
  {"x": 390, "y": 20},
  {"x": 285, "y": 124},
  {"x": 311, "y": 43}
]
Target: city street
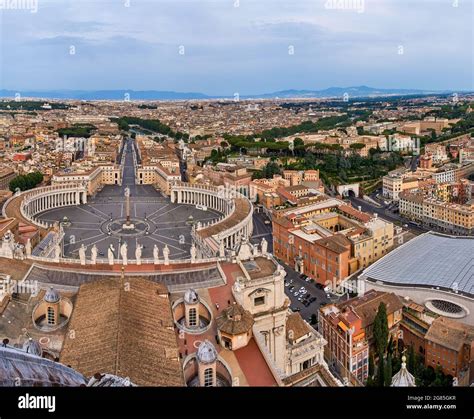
[
  {"x": 260, "y": 230},
  {"x": 386, "y": 214}
]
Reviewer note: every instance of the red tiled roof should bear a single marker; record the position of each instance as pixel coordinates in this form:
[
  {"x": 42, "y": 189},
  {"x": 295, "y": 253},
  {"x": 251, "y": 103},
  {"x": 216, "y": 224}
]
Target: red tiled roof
[{"x": 254, "y": 366}]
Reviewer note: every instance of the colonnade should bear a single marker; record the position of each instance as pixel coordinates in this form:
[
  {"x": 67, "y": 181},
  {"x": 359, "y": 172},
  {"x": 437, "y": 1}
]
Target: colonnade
[
  {"x": 49, "y": 197},
  {"x": 221, "y": 200}
]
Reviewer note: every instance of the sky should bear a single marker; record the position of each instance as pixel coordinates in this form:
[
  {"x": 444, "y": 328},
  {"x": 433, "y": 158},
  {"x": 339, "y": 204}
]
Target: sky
[{"x": 222, "y": 47}]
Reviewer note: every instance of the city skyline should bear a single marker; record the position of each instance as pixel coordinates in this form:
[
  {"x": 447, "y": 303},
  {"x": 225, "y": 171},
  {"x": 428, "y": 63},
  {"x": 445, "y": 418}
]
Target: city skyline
[{"x": 220, "y": 48}]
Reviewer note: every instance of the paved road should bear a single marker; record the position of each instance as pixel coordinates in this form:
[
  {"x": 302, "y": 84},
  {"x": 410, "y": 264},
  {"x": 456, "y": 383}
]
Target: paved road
[
  {"x": 260, "y": 230},
  {"x": 385, "y": 214}
]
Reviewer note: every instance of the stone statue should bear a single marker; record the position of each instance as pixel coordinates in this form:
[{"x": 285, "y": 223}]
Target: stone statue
[
  {"x": 138, "y": 254},
  {"x": 8, "y": 236},
  {"x": 166, "y": 254},
  {"x": 254, "y": 250},
  {"x": 221, "y": 249},
  {"x": 57, "y": 251},
  {"x": 28, "y": 248},
  {"x": 82, "y": 254},
  {"x": 94, "y": 254},
  {"x": 156, "y": 253},
  {"x": 193, "y": 253},
  {"x": 123, "y": 253},
  {"x": 19, "y": 251},
  {"x": 264, "y": 245},
  {"x": 110, "y": 254}
]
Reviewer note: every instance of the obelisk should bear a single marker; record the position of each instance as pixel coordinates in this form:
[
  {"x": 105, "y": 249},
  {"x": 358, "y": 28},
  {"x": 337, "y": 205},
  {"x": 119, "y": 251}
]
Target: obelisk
[{"x": 128, "y": 225}]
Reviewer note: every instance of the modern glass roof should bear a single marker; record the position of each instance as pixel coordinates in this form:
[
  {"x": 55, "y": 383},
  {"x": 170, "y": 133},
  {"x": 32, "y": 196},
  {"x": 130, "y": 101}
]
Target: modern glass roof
[{"x": 429, "y": 260}]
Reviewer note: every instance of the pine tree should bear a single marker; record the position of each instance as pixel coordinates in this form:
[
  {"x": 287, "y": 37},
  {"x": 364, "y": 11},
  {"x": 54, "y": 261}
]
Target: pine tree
[
  {"x": 381, "y": 330},
  {"x": 371, "y": 365},
  {"x": 388, "y": 372},
  {"x": 381, "y": 373}
]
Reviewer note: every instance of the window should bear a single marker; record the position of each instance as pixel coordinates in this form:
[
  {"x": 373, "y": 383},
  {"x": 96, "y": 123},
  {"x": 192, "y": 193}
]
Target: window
[
  {"x": 259, "y": 301},
  {"x": 50, "y": 315},
  {"x": 192, "y": 317},
  {"x": 208, "y": 377}
]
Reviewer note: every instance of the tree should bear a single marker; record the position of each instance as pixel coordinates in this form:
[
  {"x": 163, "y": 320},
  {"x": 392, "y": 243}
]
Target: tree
[
  {"x": 371, "y": 365},
  {"x": 381, "y": 373},
  {"x": 298, "y": 142},
  {"x": 25, "y": 182},
  {"x": 381, "y": 330},
  {"x": 388, "y": 372},
  {"x": 357, "y": 146}
]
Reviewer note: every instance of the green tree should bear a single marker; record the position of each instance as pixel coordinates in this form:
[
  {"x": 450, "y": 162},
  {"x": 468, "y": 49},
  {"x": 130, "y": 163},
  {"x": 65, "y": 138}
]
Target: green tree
[
  {"x": 298, "y": 142},
  {"x": 357, "y": 146},
  {"x": 381, "y": 372},
  {"x": 381, "y": 330},
  {"x": 371, "y": 365},
  {"x": 388, "y": 372}
]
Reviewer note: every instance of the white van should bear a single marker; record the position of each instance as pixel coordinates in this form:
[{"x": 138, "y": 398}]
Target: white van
[{"x": 201, "y": 207}]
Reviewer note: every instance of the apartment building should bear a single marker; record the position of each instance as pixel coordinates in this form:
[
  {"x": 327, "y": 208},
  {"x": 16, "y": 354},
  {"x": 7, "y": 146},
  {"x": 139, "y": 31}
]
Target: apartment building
[
  {"x": 348, "y": 329},
  {"x": 6, "y": 176},
  {"x": 396, "y": 182},
  {"x": 328, "y": 241},
  {"x": 95, "y": 177},
  {"x": 451, "y": 218}
]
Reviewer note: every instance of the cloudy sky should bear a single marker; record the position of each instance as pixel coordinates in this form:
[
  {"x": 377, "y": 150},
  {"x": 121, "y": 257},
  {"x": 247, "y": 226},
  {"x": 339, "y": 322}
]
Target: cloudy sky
[{"x": 245, "y": 46}]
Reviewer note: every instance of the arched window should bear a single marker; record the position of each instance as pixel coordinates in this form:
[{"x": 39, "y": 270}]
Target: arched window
[
  {"x": 208, "y": 377},
  {"x": 192, "y": 317},
  {"x": 51, "y": 315}
]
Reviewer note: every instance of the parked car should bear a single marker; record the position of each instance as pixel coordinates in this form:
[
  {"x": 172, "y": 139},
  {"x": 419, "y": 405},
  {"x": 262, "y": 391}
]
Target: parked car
[
  {"x": 319, "y": 286},
  {"x": 296, "y": 294},
  {"x": 287, "y": 284}
]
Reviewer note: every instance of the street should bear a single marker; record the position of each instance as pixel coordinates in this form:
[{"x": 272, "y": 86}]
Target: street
[
  {"x": 386, "y": 214},
  {"x": 260, "y": 230}
]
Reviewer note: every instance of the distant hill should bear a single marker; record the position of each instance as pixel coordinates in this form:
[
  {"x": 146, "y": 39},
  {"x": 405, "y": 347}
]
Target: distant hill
[
  {"x": 331, "y": 92},
  {"x": 353, "y": 91}
]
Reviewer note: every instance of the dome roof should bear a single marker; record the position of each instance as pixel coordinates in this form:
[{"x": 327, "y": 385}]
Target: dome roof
[
  {"x": 191, "y": 297},
  {"x": 403, "y": 378},
  {"x": 51, "y": 296},
  {"x": 206, "y": 353},
  {"x": 235, "y": 320},
  {"x": 33, "y": 347}
]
